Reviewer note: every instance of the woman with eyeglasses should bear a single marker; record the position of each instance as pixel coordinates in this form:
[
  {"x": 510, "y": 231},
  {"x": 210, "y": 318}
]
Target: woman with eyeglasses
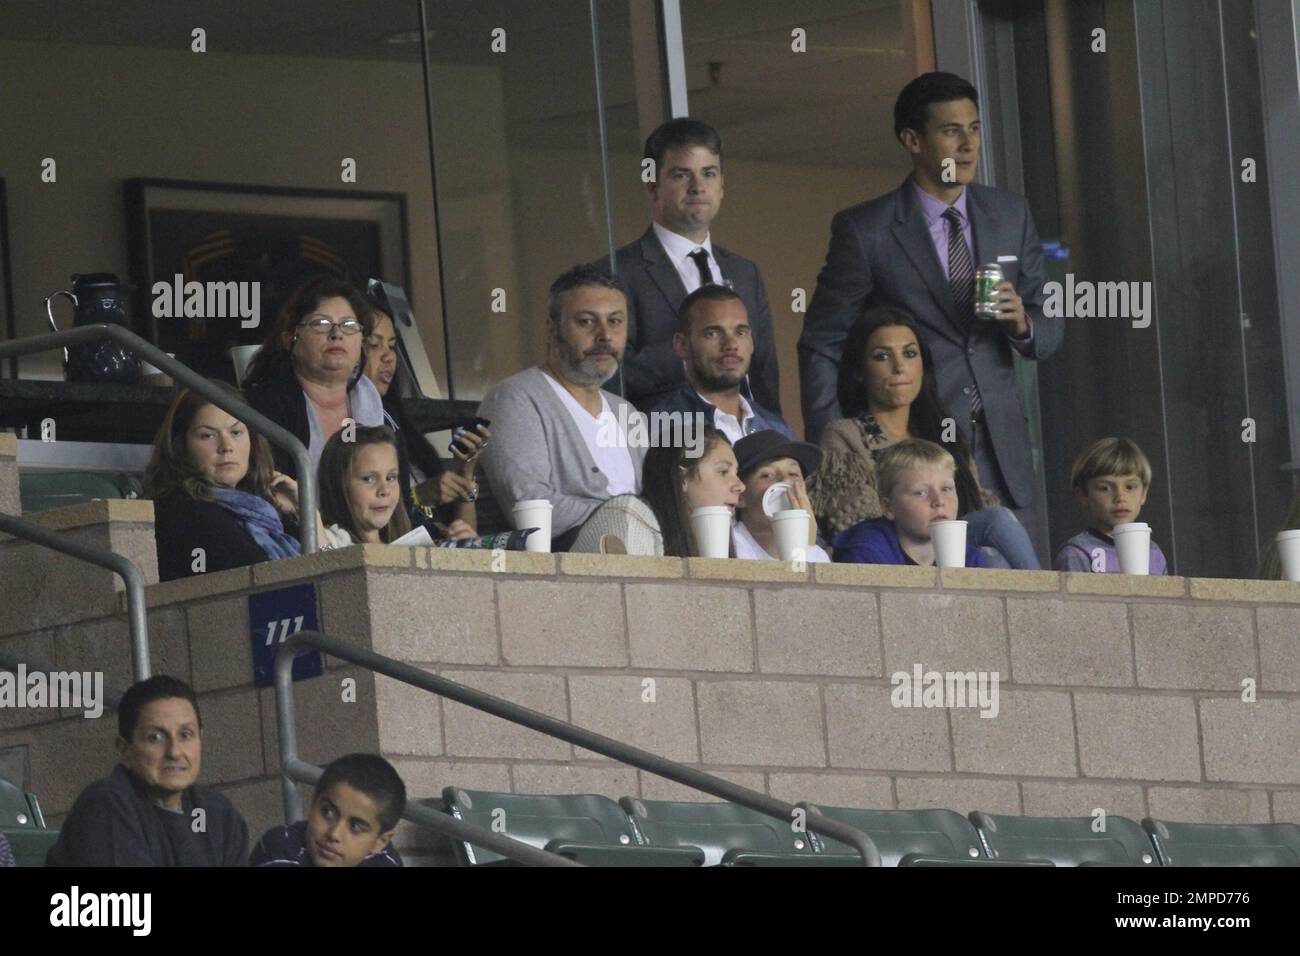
[{"x": 307, "y": 377}]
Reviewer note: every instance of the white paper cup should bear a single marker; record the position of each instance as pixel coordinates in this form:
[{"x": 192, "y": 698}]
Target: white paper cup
[
  {"x": 791, "y": 529},
  {"x": 1288, "y": 550},
  {"x": 712, "y": 527},
  {"x": 1133, "y": 547},
  {"x": 534, "y": 513},
  {"x": 949, "y": 539},
  {"x": 242, "y": 356}
]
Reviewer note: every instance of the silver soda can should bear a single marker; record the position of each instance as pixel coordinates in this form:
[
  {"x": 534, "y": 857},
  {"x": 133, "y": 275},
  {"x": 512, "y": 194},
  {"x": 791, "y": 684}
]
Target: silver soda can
[{"x": 987, "y": 278}]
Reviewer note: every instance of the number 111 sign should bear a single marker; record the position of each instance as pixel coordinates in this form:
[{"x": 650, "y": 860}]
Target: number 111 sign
[{"x": 274, "y": 617}]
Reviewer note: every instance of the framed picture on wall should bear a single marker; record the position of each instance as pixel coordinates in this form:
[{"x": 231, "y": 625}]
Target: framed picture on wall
[{"x": 277, "y": 237}]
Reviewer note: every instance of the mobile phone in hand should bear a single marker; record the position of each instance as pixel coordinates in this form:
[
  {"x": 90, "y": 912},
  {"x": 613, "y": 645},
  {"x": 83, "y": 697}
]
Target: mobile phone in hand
[{"x": 469, "y": 427}]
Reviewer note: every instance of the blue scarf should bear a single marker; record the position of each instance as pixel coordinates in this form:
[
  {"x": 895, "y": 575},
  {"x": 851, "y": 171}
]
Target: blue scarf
[{"x": 260, "y": 520}]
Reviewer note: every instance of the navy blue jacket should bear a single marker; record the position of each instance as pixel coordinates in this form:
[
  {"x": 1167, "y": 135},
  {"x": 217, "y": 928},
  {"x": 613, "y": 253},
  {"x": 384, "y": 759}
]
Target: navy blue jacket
[
  {"x": 684, "y": 398},
  {"x": 875, "y": 541}
]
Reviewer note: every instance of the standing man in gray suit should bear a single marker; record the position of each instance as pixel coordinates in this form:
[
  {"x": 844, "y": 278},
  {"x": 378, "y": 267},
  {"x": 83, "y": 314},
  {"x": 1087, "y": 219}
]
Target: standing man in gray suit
[
  {"x": 674, "y": 257},
  {"x": 918, "y": 247}
]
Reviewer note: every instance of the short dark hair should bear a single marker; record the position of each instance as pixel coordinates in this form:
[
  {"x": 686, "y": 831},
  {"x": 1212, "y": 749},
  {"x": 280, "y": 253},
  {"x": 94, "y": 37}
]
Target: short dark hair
[
  {"x": 677, "y": 133},
  {"x": 158, "y": 687},
  {"x": 705, "y": 293},
  {"x": 912, "y": 108},
  {"x": 275, "y": 359},
  {"x": 375, "y": 777},
  {"x": 576, "y": 278}
]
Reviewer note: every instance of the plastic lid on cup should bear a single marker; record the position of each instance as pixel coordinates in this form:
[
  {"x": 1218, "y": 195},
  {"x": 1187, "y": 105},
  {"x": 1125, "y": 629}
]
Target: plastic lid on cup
[
  {"x": 532, "y": 503},
  {"x": 1129, "y": 526},
  {"x": 711, "y": 510},
  {"x": 788, "y": 514},
  {"x": 776, "y": 498},
  {"x": 1288, "y": 535}
]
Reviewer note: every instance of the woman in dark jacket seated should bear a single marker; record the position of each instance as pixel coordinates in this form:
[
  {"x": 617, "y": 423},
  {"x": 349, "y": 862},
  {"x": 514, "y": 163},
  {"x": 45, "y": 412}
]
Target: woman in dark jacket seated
[
  {"x": 307, "y": 377},
  {"x": 428, "y": 487},
  {"x": 218, "y": 501}
]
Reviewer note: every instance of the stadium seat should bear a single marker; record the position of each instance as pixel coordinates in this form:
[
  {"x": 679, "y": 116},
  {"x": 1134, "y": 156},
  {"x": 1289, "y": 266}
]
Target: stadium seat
[
  {"x": 1066, "y": 841},
  {"x": 729, "y": 835},
  {"x": 43, "y": 490},
  {"x": 1217, "y": 844},
  {"x": 19, "y": 810},
  {"x": 912, "y": 837},
  {"x": 588, "y": 828},
  {"x": 29, "y": 845}
]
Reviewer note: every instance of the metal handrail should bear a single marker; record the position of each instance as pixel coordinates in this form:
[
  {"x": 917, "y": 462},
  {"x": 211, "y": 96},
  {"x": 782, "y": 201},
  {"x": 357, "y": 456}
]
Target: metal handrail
[
  {"x": 130, "y": 574},
  {"x": 578, "y": 736},
  {"x": 180, "y": 372}
]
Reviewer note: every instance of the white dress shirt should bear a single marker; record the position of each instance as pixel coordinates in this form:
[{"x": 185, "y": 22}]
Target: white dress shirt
[
  {"x": 679, "y": 250},
  {"x": 734, "y": 428}
]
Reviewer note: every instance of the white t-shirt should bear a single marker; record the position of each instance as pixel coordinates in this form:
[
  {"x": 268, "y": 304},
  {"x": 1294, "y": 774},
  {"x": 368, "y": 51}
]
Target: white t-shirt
[
  {"x": 747, "y": 547},
  {"x": 679, "y": 250},
  {"x": 615, "y": 463},
  {"x": 735, "y": 429}
]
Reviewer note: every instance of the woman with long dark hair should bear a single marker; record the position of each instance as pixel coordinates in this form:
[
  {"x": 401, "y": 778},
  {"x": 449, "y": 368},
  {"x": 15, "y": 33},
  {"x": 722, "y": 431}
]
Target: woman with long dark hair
[
  {"x": 888, "y": 393},
  {"x": 675, "y": 484}
]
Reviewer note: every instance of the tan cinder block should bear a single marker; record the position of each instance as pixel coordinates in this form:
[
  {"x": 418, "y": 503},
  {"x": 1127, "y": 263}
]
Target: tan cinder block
[
  {"x": 562, "y": 622},
  {"x": 232, "y": 728},
  {"x": 817, "y": 631},
  {"x": 409, "y": 719},
  {"x": 196, "y": 588},
  {"x": 1031, "y": 735},
  {"x": 1279, "y": 648},
  {"x": 311, "y": 566},
  {"x": 67, "y": 756},
  {"x": 1069, "y": 642},
  {"x": 35, "y": 650},
  {"x": 1125, "y": 585},
  {"x": 876, "y": 575},
  {"x": 962, "y": 794},
  {"x": 998, "y": 579},
  {"x": 261, "y": 804},
  {"x": 104, "y": 646},
  {"x": 473, "y": 733},
  {"x": 344, "y": 601},
  {"x": 1253, "y": 592},
  {"x": 613, "y": 782},
  {"x": 329, "y": 726},
  {"x": 1051, "y": 799},
  {"x": 1286, "y": 806},
  {"x": 1257, "y": 742},
  {"x": 738, "y": 570},
  {"x": 11, "y": 502},
  {"x": 655, "y": 787},
  {"x": 221, "y": 650},
  {"x": 1208, "y": 805},
  {"x": 689, "y": 627},
  {"x": 620, "y": 707},
  {"x": 135, "y": 542},
  {"x": 1193, "y": 648},
  {"x": 834, "y": 789},
  {"x": 867, "y": 731},
  {"x": 507, "y": 562},
  {"x": 97, "y": 513},
  {"x": 40, "y": 587},
  {"x": 434, "y": 618},
  {"x": 621, "y": 565},
  {"x": 943, "y": 632},
  {"x": 768, "y": 723},
  {"x": 1137, "y": 737}
]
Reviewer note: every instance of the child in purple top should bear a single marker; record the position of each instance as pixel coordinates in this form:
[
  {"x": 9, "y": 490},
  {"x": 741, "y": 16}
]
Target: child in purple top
[
  {"x": 1110, "y": 481},
  {"x": 917, "y": 488}
]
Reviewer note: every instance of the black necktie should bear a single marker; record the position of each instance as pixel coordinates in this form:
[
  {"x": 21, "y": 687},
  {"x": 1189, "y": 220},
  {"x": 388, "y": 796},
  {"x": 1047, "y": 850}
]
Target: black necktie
[
  {"x": 702, "y": 261},
  {"x": 961, "y": 278}
]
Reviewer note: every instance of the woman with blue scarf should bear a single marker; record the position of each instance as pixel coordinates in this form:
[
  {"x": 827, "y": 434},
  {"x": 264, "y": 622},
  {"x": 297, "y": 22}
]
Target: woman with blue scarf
[{"x": 218, "y": 501}]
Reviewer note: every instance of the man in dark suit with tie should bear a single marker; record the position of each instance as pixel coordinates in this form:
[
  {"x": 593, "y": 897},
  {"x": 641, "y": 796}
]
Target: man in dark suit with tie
[
  {"x": 674, "y": 257},
  {"x": 918, "y": 247}
]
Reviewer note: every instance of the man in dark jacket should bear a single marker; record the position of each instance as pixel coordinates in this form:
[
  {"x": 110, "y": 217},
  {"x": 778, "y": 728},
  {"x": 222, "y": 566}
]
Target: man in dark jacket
[
  {"x": 148, "y": 811},
  {"x": 715, "y": 343},
  {"x": 675, "y": 256}
]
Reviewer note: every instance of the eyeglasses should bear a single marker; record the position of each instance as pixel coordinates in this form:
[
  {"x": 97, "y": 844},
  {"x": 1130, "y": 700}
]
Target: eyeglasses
[{"x": 324, "y": 326}]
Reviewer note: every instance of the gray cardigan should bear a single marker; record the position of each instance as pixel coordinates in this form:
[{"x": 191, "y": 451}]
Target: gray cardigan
[{"x": 536, "y": 450}]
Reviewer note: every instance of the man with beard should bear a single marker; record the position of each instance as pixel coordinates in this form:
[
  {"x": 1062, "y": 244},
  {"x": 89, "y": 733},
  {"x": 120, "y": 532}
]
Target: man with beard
[
  {"x": 715, "y": 342},
  {"x": 552, "y": 424}
]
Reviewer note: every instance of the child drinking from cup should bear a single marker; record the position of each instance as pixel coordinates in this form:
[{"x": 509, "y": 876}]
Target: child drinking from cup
[
  {"x": 1110, "y": 481},
  {"x": 917, "y": 487}
]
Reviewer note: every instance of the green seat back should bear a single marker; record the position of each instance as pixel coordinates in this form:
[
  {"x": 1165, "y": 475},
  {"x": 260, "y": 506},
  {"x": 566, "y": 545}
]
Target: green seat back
[
  {"x": 43, "y": 490},
  {"x": 538, "y": 820},
  {"x": 16, "y": 809},
  {"x": 1067, "y": 841},
  {"x": 1218, "y": 844},
  {"x": 716, "y": 828},
  {"x": 30, "y": 846},
  {"x": 935, "y": 834}
]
